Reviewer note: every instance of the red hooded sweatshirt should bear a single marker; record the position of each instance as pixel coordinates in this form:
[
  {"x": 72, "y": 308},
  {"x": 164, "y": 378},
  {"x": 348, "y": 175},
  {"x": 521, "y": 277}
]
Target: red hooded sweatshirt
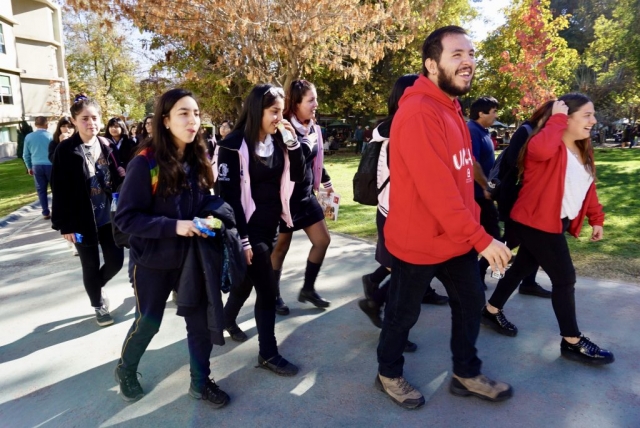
[
  {"x": 539, "y": 202},
  {"x": 433, "y": 216}
]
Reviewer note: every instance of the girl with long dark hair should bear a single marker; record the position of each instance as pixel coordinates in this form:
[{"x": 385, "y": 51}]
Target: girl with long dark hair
[
  {"x": 64, "y": 130},
  {"x": 558, "y": 192},
  {"x": 84, "y": 176},
  {"x": 165, "y": 186},
  {"x": 256, "y": 167},
  {"x": 300, "y": 109},
  {"x": 118, "y": 136}
]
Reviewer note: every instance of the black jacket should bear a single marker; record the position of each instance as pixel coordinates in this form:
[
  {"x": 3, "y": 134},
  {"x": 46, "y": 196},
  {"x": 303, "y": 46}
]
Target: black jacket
[
  {"x": 150, "y": 219},
  {"x": 212, "y": 265},
  {"x": 125, "y": 153},
  {"x": 72, "y": 211},
  {"x": 228, "y": 164}
]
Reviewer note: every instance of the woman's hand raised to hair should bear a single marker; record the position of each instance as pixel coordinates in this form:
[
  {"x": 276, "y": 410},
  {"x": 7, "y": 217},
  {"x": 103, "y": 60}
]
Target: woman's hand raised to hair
[
  {"x": 187, "y": 228},
  {"x": 560, "y": 107}
]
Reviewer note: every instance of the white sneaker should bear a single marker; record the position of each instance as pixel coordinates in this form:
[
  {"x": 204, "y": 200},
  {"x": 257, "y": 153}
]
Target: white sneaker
[{"x": 103, "y": 317}]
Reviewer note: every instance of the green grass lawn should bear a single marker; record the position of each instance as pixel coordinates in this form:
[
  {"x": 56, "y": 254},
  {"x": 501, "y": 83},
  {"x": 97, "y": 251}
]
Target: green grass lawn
[
  {"x": 17, "y": 188},
  {"x": 616, "y": 256}
]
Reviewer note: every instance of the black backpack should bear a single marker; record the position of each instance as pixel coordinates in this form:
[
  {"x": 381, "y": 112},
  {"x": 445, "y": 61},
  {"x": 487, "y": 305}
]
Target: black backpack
[
  {"x": 505, "y": 179},
  {"x": 365, "y": 181}
]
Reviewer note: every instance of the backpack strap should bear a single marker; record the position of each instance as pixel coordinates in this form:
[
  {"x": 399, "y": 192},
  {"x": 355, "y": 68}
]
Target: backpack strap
[{"x": 153, "y": 168}]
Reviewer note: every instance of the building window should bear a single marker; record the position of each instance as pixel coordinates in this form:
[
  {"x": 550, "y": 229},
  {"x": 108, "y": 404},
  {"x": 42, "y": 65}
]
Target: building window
[
  {"x": 3, "y": 49},
  {"x": 6, "y": 96}
]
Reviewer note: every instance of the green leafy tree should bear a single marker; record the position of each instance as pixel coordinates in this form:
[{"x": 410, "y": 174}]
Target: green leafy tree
[{"x": 100, "y": 63}]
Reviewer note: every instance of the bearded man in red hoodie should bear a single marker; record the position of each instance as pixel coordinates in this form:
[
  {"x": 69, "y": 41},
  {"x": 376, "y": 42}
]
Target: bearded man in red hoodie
[{"x": 433, "y": 227}]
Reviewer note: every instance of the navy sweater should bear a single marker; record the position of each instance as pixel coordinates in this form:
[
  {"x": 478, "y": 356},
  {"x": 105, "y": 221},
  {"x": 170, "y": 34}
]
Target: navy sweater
[{"x": 151, "y": 219}]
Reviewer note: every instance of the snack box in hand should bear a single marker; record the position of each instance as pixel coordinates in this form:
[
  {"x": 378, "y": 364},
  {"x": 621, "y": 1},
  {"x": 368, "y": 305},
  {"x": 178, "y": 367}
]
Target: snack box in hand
[{"x": 330, "y": 203}]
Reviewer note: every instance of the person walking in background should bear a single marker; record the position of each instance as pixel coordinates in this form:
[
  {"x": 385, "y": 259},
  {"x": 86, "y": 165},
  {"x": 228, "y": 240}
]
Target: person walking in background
[
  {"x": 36, "y": 158},
  {"x": 64, "y": 130},
  {"x": 509, "y": 189},
  {"x": 358, "y": 136},
  {"x": 558, "y": 192},
  {"x": 157, "y": 210},
  {"x": 83, "y": 179},
  {"x": 300, "y": 109},
  {"x": 256, "y": 171},
  {"x": 376, "y": 295},
  {"x": 435, "y": 229},
  {"x": 123, "y": 146},
  {"x": 225, "y": 129},
  {"x": 146, "y": 129},
  {"x": 482, "y": 114}
]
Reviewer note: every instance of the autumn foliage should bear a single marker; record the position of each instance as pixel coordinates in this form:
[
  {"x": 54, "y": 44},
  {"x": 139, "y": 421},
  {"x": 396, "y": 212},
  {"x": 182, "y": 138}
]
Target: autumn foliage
[
  {"x": 528, "y": 70},
  {"x": 278, "y": 40}
]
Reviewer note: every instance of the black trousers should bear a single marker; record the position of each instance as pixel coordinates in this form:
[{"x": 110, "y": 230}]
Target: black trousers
[
  {"x": 512, "y": 240},
  {"x": 152, "y": 289},
  {"x": 261, "y": 276},
  {"x": 549, "y": 250},
  {"x": 489, "y": 220},
  {"x": 409, "y": 283},
  {"x": 95, "y": 276}
]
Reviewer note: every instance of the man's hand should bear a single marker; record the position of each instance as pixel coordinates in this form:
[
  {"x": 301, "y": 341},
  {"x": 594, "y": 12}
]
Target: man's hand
[
  {"x": 498, "y": 256},
  {"x": 30, "y": 171}
]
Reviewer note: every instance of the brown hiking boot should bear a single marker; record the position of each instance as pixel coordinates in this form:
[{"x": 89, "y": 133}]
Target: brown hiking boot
[
  {"x": 480, "y": 386},
  {"x": 400, "y": 391}
]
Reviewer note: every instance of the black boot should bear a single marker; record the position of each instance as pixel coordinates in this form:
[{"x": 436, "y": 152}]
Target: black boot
[{"x": 281, "y": 306}]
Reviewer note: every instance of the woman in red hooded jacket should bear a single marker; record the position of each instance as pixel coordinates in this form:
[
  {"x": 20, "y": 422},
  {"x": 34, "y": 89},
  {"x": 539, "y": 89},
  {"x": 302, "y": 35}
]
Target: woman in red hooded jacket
[{"x": 558, "y": 192}]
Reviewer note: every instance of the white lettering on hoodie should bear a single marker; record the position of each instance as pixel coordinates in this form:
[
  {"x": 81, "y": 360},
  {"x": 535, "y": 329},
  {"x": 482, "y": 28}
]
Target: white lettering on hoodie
[{"x": 462, "y": 159}]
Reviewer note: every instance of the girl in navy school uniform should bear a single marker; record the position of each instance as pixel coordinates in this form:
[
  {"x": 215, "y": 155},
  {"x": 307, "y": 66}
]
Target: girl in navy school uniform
[
  {"x": 162, "y": 193},
  {"x": 257, "y": 166},
  {"x": 300, "y": 110}
]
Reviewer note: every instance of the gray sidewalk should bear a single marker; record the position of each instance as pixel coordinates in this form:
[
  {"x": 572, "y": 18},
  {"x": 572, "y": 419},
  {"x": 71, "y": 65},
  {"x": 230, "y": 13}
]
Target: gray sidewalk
[{"x": 56, "y": 364}]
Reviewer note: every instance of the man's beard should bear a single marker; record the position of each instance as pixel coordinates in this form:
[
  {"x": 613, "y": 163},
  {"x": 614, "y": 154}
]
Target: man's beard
[{"x": 446, "y": 83}]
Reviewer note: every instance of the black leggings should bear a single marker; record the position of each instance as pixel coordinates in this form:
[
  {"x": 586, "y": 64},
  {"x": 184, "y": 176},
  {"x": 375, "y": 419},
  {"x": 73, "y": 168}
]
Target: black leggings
[
  {"x": 261, "y": 276},
  {"x": 93, "y": 275},
  {"x": 549, "y": 250}
]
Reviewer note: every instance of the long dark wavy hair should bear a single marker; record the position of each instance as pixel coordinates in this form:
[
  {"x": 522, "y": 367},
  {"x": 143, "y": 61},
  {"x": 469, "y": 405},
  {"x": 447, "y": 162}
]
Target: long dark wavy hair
[
  {"x": 171, "y": 176},
  {"x": 295, "y": 94},
  {"x": 249, "y": 123},
  {"x": 539, "y": 119}
]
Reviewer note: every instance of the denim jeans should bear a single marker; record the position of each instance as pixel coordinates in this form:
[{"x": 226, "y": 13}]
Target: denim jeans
[
  {"x": 42, "y": 177},
  {"x": 152, "y": 289},
  {"x": 409, "y": 282},
  {"x": 549, "y": 250}
]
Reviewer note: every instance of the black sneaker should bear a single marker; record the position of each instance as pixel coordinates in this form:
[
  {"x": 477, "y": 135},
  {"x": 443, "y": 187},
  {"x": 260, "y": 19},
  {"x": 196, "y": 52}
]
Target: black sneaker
[
  {"x": 410, "y": 347},
  {"x": 585, "y": 351},
  {"x": 277, "y": 364},
  {"x": 313, "y": 298},
  {"x": 372, "y": 310},
  {"x": 368, "y": 286},
  {"x": 130, "y": 388},
  {"x": 498, "y": 322},
  {"x": 281, "y": 307},
  {"x": 534, "y": 290},
  {"x": 211, "y": 393},
  {"x": 433, "y": 298},
  {"x": 236, "y": 334},
  {"x": 103, "y": 317}
]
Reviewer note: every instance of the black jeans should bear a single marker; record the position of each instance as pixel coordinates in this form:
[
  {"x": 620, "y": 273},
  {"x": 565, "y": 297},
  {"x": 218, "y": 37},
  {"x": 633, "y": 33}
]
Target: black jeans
[
  {"x": 93, "y": 275},
  {"x": 409, "y": 282},
  {"x": 261, "y": 276},
  {"x": 152, "y": 289},
  {"x": 549, "y": 250},
  {"x": 512, "y": 240},
  {"x": 490, "y": 221}
]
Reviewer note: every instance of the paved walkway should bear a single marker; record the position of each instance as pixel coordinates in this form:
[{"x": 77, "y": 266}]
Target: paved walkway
[{"x": 56, "y": 364}]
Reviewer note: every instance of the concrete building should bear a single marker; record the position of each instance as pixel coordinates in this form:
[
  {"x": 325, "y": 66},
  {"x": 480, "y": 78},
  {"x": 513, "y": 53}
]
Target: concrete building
[{"x": 33, "y": 78}]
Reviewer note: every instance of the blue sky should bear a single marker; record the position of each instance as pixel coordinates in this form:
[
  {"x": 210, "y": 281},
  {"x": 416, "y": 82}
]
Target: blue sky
[{"x": 489, "y": 19}]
